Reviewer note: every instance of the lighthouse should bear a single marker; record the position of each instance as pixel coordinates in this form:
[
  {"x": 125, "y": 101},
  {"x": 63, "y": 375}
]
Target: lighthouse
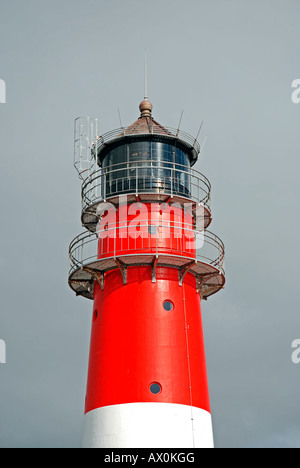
[{"x": 147, "y": 261}]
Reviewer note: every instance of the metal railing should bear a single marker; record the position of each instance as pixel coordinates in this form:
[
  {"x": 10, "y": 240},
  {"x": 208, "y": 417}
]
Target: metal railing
[
  {"x": 154, "y": 129},
  {"x": 140, "y": 177},
  {"x": 152, "y": 239}
]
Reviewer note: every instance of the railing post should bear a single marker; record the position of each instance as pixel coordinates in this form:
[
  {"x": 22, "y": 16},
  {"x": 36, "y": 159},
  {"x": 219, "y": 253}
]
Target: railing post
[
  {"x": 100, "y": 185},
  {"x": 81, "y": 256},
  {"x": 115, "y": 238}
]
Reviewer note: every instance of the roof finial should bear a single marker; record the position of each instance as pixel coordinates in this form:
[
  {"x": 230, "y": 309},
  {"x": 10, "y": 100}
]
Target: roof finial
[{"x": 146, "y": 108}]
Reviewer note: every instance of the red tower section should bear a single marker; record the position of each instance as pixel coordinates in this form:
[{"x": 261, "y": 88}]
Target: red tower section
[{"x": 146, "y": 260}]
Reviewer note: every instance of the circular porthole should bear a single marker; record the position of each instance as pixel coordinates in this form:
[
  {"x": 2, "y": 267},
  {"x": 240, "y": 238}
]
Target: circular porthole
[
  {"x": 155, "y": 388},
  {"x": 152, "y": 230},
  {"x": 95, "y": 316},
  {"x": 168, "y": 306}
]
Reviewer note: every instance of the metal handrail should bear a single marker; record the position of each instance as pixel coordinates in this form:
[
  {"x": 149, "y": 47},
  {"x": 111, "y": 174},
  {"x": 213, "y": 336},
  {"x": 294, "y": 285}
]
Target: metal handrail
[
  {"x": 156, "y": 163},
  {"x": 155, "y": 130},
  {"x": 86, "y": 247},
  {"x": 94, "y": 188}
]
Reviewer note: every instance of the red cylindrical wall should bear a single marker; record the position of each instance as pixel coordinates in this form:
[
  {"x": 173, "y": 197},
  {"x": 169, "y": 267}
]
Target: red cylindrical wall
[
  {"x": 146, "y": 228},
  {"x": 135, "y": 341}
]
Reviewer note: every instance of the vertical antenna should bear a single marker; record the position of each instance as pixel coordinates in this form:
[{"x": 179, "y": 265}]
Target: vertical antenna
[
  {"x": 199, "y": 130},
  {"x": 146, "y": 77},
  {"x": 120, "y": 117},
  {"x": 203, "y": 144},
  {"x": 198, "y": 133},
  {"x": 179, "y": 123}
]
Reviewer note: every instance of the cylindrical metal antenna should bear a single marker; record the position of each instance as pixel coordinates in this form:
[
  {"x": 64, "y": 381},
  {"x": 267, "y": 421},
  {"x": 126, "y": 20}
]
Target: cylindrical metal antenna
[
  {"x": 145, "y": 77},
  {"x": 120, "y": 117},
  {"x": 178, "y": 128},
  {"x": 198, "y": 133}
]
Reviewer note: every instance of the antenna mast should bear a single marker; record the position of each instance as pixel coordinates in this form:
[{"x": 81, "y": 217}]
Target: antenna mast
[{"x": 145, "y": 78}]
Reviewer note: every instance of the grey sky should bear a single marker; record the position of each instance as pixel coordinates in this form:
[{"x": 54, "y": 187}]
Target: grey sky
[{"x": 227, "y": 62}]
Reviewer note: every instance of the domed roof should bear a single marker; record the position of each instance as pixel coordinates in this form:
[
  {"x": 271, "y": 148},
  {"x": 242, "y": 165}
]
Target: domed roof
[{"x": 148, "y": 127}]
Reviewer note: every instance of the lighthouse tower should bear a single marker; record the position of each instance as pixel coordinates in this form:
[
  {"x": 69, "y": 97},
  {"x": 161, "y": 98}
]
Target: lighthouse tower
[{"x": 146, "y": 259}]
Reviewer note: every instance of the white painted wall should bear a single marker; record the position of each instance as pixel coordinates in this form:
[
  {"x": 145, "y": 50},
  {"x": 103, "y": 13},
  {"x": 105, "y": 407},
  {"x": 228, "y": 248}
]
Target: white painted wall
[{"x": 148, "y": 425}]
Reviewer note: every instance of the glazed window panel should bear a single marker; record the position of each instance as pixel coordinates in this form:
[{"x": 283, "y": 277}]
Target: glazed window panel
[{"x": 146, "y": 166}]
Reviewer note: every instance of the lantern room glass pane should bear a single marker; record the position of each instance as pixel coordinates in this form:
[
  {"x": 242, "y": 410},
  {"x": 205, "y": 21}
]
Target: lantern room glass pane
[{"x": 151, "y": 166}]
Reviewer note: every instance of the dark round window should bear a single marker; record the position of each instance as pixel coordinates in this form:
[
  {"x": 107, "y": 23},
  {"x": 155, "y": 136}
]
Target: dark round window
[
  {"x": 155, "y": 388},
  {"x": 95, "y": 316},
  {"x": 152, "y": 230},
  {"x": 168, "y": 306}
]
